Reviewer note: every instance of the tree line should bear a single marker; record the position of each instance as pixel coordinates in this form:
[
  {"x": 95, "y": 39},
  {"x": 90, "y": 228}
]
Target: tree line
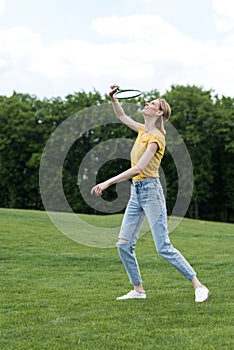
[{"x": 203, "y": 119}]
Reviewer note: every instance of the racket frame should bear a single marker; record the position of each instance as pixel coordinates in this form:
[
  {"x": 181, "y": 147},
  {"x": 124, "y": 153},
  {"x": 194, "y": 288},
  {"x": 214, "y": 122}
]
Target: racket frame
[{"x": 135, "y": 94}]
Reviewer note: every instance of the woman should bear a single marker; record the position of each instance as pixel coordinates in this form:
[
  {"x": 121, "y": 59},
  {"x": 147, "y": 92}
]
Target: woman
[{"x": 147, "y": 197}]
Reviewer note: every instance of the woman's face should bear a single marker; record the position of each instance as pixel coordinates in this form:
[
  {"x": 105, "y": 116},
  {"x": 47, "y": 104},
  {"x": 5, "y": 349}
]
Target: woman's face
[{"x": 153, "y": 107}]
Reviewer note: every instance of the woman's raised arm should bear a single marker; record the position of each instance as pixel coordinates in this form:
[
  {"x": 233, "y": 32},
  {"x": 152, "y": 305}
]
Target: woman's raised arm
[{"x": 119, "y": 112}]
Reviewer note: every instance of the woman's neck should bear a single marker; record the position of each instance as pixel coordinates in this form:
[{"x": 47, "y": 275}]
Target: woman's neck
[{"x": 150, "y": 125}]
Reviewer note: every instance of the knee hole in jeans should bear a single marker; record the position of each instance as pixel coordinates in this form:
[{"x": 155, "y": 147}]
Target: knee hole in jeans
[{"x": 122, "y": 241}]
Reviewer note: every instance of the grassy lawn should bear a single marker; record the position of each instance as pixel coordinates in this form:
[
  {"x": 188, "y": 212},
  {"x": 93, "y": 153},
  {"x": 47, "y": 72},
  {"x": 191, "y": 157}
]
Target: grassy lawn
[{"x": 57, "y": 294}]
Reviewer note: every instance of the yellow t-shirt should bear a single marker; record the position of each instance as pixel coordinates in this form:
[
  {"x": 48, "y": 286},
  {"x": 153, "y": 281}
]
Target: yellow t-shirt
[{"x": 140, "y": 146}]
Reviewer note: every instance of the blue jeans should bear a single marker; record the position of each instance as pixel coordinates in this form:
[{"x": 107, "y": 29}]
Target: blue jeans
[{"x": 147, "y": 199}]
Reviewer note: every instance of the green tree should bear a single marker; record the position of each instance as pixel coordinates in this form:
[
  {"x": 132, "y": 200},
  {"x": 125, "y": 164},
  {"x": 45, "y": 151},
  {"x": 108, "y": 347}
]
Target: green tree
[
  {"x": 192, "y": 116},
  {"x": 222, "y": 155}
]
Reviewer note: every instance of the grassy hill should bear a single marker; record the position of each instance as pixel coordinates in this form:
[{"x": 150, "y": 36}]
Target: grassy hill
[{"x": 57, "y": 294}]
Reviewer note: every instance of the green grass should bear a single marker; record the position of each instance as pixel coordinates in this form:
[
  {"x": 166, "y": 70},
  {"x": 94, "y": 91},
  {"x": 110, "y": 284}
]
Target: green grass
[{"x": 57, "y": 294}]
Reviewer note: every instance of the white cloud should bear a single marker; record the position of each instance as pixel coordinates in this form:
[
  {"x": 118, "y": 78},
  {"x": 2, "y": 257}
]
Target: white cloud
[
  {"x": 224, "y": 8},
  {"x": 18, "y": 48},
  {"x": 230, "y": 40},
  {"x": 148, "y": 37},
  {"x": 133, "y": 55},
  {"x": 223, "y": 14},
  {"x": 144, "y": 52},
  {"x": 223, "y": 24},
  {"x": 134, "y": 27}
]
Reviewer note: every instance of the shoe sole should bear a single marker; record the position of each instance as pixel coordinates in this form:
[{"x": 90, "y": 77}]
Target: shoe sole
[
  {"x": 119, "y": 298},
  {"x": 131, "y": 299}
]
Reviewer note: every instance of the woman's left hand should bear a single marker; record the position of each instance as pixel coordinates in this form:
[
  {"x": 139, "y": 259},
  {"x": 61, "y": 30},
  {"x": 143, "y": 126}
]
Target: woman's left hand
[{"x": 99, "y": 188}]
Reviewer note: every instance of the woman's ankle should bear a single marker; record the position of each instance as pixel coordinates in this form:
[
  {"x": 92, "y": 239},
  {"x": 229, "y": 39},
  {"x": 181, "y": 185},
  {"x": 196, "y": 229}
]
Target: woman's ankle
[
  {"x": 139, "y": 289},
  {"x": 196, "y": 283}
]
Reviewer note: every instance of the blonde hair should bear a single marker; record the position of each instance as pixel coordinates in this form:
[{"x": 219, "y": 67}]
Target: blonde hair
[{"x": 165, "y": 107}]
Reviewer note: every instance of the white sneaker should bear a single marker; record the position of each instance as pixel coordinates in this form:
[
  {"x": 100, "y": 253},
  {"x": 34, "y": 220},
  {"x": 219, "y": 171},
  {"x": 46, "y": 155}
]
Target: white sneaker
[
  {"x": 132, "y": 295},
  {"x": 201, "y": 294}
]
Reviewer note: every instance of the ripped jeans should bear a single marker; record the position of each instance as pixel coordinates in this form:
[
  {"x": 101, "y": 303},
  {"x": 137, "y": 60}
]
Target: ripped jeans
[{"x": 147, "y": 200}]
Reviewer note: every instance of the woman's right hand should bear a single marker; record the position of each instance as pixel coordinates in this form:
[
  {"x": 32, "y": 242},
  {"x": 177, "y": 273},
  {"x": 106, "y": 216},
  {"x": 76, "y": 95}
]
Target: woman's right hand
[
  {"x": 99, "y": 188},
  {"x": 113, "y": 90}
]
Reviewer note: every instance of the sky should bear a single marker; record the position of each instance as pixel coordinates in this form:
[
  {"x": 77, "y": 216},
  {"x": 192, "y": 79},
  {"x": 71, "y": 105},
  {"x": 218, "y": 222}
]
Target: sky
[{"x": 52, "y": 48}]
